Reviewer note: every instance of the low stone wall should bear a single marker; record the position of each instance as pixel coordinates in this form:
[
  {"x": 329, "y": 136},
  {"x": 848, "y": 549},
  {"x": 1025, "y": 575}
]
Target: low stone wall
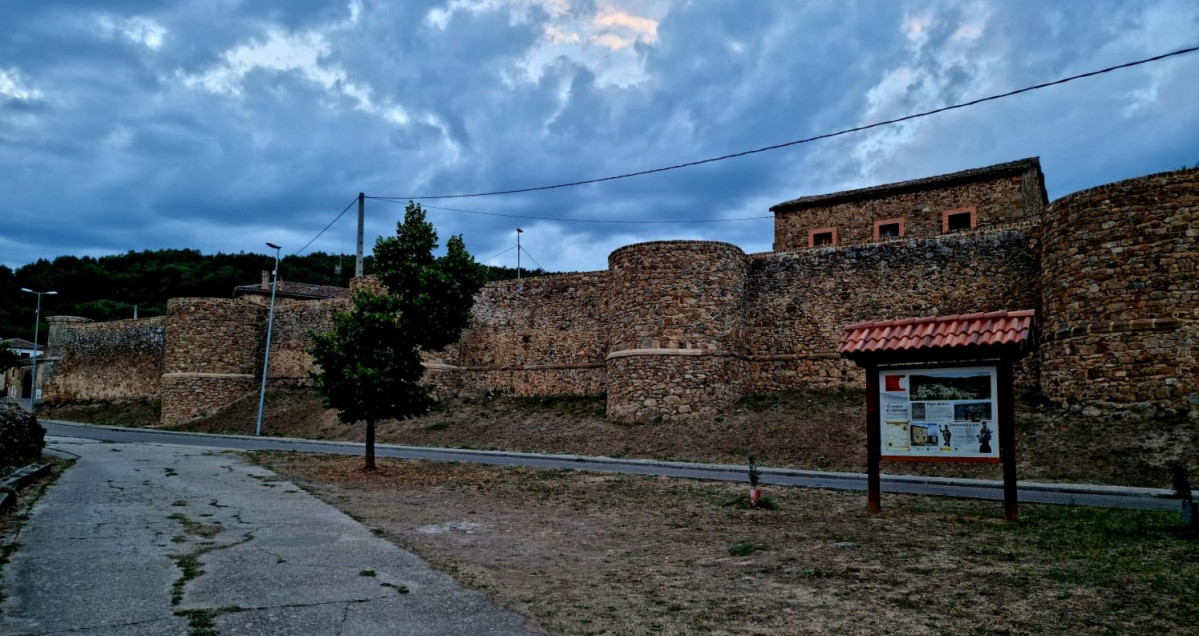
[{"x": 111, "y": 361}]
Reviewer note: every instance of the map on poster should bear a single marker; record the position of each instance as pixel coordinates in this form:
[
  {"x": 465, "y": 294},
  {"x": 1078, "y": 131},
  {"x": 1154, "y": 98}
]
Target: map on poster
[{"x": 942, "y": 413}]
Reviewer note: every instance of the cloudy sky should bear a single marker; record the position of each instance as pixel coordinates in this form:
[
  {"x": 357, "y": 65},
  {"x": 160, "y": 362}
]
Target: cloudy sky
[{"x": 223, "y": 124}]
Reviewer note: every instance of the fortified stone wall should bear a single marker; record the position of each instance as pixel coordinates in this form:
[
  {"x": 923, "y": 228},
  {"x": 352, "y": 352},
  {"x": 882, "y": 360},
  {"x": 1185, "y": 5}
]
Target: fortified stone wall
[
  {"x": 111, "y": 361},
  {"x": 679, "y": 329},
  {"x": 998, "y": 197},
  {"x": 295, "y": 321},
  {"x": 798, "y": 304},
  {"x": 537, "y": 336},
  {"x": 1121, "y": 293}
]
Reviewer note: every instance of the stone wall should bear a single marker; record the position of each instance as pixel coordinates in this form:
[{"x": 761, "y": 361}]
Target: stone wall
[
  {"x": 798, "y": 304},
  {"x": 998, "y": 197},
  {"x": 104, "y": 361},
  {"x": 537, "y": 336},
  {"x": 681, "y": 329},
  {"x": 295, "y": 321},
  {"x": 1121, "y": 293}
]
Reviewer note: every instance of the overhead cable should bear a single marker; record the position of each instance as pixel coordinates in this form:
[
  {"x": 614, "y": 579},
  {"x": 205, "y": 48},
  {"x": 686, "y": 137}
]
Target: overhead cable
[
  {"x": 318, "y": 234},
  {"x": 547, "y": 218},
  {"x": 805, "y": 140}
]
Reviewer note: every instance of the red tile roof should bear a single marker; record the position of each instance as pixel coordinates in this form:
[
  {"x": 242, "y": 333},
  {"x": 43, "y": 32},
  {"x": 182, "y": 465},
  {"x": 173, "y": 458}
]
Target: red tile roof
[{"x": 997, "y": 328}]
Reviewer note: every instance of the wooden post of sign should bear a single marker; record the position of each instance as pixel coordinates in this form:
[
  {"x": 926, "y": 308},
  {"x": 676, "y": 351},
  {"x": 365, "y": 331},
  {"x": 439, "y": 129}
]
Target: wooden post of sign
[
  {"x": 1007, "y": 438},
  {"x": 873, "y": 439}
]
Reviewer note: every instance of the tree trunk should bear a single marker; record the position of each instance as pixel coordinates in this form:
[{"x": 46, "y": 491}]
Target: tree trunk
[{"x": 370, "y": 445}]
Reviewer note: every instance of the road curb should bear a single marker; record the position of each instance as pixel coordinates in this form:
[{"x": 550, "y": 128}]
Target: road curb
[
  {"x": 583, "y": 460},
  {"x": 17, "y": 480}
]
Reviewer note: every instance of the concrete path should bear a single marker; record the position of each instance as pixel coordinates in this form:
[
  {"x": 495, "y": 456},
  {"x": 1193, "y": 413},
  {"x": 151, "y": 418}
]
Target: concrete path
[
  {"x": 167, "y": 539},
  {"x": 1029, "y": 492}
]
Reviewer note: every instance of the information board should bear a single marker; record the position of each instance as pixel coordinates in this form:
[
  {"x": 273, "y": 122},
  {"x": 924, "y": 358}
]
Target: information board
[{"x": 944, "y": 414}]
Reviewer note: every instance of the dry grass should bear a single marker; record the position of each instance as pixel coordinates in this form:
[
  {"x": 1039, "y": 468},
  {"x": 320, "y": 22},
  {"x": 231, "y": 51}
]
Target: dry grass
[{"x": 585, "y": 553}]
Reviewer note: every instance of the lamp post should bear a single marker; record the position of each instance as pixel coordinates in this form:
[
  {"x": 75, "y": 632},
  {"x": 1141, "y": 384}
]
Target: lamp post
[
  {"x": 518, "y": 233},
  {"x": 270, "y": 323},
  {"x": 37, "y": 319}
]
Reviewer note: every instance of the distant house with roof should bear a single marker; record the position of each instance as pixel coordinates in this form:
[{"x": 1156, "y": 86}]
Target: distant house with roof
[{"x": 20, "y": 346}]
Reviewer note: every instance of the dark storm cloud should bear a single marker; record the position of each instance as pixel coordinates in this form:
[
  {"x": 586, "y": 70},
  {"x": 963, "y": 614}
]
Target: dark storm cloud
[{"x": 221, "y": 125}]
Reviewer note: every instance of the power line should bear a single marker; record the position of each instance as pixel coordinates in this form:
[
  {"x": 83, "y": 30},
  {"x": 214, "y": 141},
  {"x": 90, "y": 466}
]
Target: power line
[
  {"x": 498, "y": 255},
  {"x": 808, "y": 139},
  {"x": 318, "y": 234},
  {"x": 531, "y": 258},
  {"x": 546, "y": 218}
]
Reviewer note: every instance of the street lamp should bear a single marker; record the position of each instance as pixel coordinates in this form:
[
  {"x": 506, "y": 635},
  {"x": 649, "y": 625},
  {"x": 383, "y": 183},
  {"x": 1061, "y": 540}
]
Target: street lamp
[
  {"x": 270, "y": 323},
  {"x": 37, "y": 319}
]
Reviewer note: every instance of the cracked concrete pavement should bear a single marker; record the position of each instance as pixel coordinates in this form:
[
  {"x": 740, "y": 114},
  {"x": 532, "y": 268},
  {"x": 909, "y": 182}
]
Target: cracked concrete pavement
[{"x": 162, "y": 539}]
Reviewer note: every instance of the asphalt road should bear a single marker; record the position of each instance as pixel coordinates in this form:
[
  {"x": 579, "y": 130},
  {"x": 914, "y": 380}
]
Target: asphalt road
[
  {"x": 142, "y": 538},
  {"x": 1029, "y": 492}
]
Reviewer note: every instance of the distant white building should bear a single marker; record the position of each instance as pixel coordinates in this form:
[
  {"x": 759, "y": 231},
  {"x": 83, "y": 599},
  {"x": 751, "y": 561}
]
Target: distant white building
[{"x": 23, "y": 348}]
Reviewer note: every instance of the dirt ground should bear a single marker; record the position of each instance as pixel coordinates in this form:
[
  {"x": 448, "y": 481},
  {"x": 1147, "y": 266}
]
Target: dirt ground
[{"x": 587, "y": 553}]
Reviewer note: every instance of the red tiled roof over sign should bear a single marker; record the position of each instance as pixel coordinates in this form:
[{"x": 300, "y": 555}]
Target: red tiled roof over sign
[{"x": 994, "y": 329}]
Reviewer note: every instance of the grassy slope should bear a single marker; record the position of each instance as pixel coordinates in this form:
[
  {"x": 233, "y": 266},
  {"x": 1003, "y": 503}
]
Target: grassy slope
[{"x": 804, "y": 429}]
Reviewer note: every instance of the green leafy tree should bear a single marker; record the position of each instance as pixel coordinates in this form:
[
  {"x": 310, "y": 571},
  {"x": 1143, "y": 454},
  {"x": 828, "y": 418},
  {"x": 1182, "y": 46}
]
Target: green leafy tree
[
  {"x": 8, "y": 357},
  {"x": 370, "y": 362}
]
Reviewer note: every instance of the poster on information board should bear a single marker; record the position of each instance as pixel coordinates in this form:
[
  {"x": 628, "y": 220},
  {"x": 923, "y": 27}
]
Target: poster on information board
[{"x": 945, "y": 414}]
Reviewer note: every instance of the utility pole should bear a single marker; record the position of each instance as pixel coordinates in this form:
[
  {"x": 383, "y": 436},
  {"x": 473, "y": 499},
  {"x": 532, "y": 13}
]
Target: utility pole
[
  {"x": 361, "y": 223},
  {"x": 518, "y": 233}
]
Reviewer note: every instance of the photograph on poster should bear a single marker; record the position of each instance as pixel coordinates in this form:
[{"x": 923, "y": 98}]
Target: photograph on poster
[{"x": 941, "y": 413}]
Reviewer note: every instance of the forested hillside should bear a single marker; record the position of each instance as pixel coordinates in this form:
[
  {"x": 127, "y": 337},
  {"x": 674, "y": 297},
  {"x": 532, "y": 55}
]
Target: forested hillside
[{"x": 107, "y": 288}]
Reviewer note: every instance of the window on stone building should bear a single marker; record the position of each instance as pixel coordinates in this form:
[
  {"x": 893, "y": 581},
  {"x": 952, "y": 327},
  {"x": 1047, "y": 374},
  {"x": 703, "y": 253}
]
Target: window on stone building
[
  {"x": 958, "y": 220},
  {"x": 822, "y": 237},
  {"x": 888, "y": 229}
]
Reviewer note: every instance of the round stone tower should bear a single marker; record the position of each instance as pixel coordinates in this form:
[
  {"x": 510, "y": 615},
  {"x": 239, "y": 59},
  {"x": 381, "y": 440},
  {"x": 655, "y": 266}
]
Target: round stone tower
[
  {"x": 675, "y": 329},
  {"x": 1120, "y": 294},
  {"x": 212, "y": 357}
]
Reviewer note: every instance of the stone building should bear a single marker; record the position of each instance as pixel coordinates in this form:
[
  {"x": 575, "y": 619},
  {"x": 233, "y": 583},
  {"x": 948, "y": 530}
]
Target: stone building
[{"x": 683, "y": 329}]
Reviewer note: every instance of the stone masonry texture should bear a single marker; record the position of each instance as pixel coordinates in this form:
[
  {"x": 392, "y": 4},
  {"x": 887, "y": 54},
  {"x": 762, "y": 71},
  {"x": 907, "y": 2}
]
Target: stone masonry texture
[
  {"x": 111, "y": 361},
  {"x": 683, "y": 329},
  {"x": 1004, "y": 197},
  {"x": 1121, "y": 293}
]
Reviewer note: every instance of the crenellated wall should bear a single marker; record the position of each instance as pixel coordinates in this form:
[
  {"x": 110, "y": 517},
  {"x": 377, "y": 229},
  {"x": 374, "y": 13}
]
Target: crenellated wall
[{"x": 1121, "y": 293}]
